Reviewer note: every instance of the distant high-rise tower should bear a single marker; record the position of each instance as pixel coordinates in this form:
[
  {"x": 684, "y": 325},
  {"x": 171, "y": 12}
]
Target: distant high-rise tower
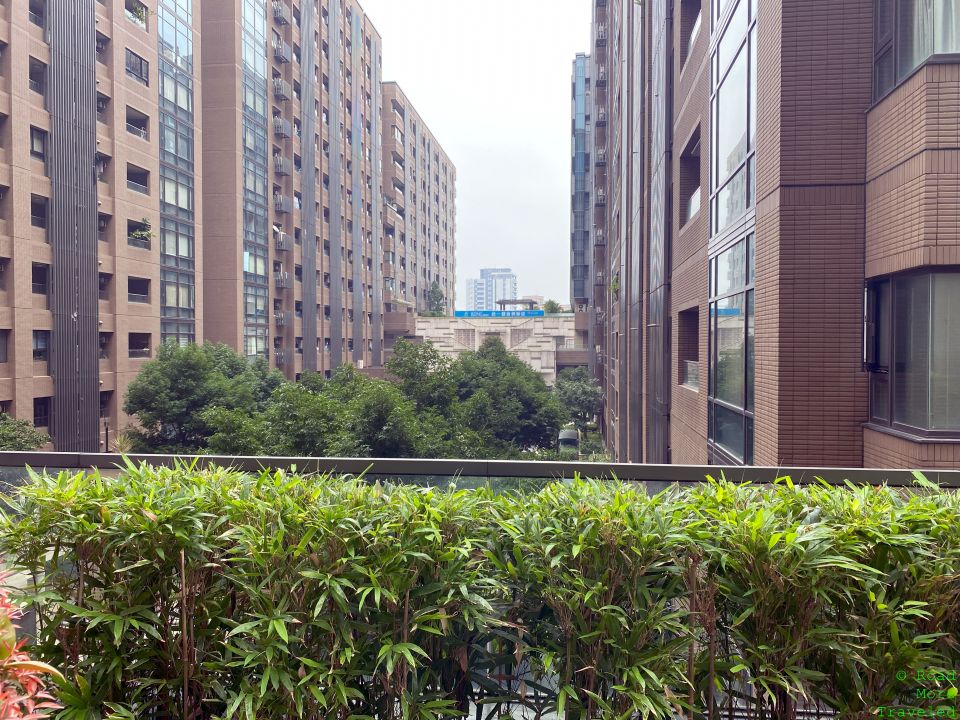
[{"x": 494, "y": 284}]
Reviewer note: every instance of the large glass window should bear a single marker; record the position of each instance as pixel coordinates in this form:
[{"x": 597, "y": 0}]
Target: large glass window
[
  {"x": 907, "y": 32},
  {"x": 731, "y": 354},
  {"x": 912, "y": 342},
  {"x": 733, "y": 117}
]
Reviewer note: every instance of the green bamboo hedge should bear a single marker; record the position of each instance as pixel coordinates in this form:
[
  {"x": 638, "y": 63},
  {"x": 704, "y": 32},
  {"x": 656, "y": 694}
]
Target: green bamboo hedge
[{"x": 180, "y": 593}]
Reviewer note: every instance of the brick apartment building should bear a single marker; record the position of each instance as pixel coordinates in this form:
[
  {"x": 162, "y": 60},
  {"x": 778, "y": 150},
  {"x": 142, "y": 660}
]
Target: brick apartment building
[
  {"x": 775, "y": 241},
  {"x": 252, "y": 215}
]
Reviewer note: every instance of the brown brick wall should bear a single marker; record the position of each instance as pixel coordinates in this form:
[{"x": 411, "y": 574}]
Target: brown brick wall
[
  {"x": 913, "y": 173},
  {"x": 810, "y": 391},
  {"x": 889, "y": 451}
]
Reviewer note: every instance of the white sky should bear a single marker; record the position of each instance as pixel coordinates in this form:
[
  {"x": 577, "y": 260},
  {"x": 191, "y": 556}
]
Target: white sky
[{"x": 492, "y": 80}]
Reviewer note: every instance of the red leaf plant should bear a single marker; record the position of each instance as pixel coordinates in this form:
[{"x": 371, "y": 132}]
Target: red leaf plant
[{"x": 23, "y": 692}]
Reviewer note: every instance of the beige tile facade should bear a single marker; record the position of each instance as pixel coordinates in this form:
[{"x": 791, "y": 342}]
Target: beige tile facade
[{"x": 547, "y": 344}]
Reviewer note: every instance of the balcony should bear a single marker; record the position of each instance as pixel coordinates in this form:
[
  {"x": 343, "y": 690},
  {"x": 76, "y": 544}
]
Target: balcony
[
  {"x": 281, "y": 357},
  {"x": 282, "y": 165},
  {"x": 282, "y": 128},
  {"x": 599, "y": 237},
  {"x": 601, "y": 156},
  {"x": 283, "y": 241},
  {"x": 602, "y": 76},
  {"x": 282, "y": 13},
  {"x": 400, "y": 323},
  {"x": 283, "y": 318},
  {"x": 572, "y": 357},
  {"x": 281, "y": 51},
  {"x": 282, "y": 90},
  {"x": 602, "y": 117},
  {"x": 600, "y": 199},
  {"x": 283, "y": 204},
  {"x": 282, "y": 280},
  {"x": 601, "y": 35}
]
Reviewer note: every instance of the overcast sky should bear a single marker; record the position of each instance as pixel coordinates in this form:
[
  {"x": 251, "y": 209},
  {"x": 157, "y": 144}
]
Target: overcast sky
[{"x": 492, "y": 80}]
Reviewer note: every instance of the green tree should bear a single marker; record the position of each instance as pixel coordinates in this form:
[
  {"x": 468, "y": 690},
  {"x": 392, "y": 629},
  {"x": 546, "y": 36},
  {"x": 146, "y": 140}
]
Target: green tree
[
  {"x": 425, "y": 375},
  {"x": 552, "y": 307},
  {"x": 19, "y": 434},
  {"x": 436, "y": 301},
  {"x": 506, "y": 400},
  {"x": 579, "y": 392},
  {"x": 171, "y": 393}
]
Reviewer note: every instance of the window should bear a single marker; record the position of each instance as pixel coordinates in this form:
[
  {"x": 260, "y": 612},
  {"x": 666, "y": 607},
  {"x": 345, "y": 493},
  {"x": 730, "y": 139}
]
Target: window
[
  {"x": 139, "y": 234},
  {"x": 40, "y": 278},
  {"x": 138, "y": 179},
  {"x": 104, "y": 342},
  {"x": 38, "y": 211},
  {"x": 4, "y": 344},
  {"x": 734, "y": 118},
  {"x": 41, "y": 412},
  {"x": 137, "y": 67},
  {"x": 907, "y": 32},
  {"x": 138, "y": 345},
  {"x": 37, "y": 12},
  {"x": 731, "y": 354},
  {"x": 41, "y": 345},
  {"x": 38, "y": 143},
  {"x": 911, "y": 342},
  {"x": 690, "y": 180},
  {"x": 136, "y": 12},
  {"x": 688, "y": 347},
  {"x": 690, "y": 22},
  {"x": 138, "y": 123},
  {"x": 138, "y": 290},
  {"x": 104, "y": 286},
  {"x": 37, "y": 76}
]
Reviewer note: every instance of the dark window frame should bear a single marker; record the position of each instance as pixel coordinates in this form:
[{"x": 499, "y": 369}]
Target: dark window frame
[
  {"x": 41, "y": 350},
  {"x": 137, "y": 67},
  {"x": 45, "y": 406},
  {"x": 886, "y": 45},
  {"x": 718, "y": 76},
  {"x": 718, "y": 454},
  {"x": 874, "y": 336}
]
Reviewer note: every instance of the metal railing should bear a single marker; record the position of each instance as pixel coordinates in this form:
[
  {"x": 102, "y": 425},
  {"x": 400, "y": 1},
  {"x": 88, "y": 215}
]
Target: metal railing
[
  {"x": 137, "y": 298},
  {"x": 137, "y": 187},
  {"x": 137, "y": 353},
  {"x": 444, "y": 470},
  {"x": 690, "y": 374},
  {"x": 141, "y": 132}
]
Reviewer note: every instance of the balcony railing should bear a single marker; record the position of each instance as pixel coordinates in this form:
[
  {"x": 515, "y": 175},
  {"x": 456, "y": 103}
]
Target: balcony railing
[
  {"x": 282, "y": 90},
  {"x": 282, "y": 128},
  {"x": 440, "y": 472},
  {"x": 282, "y": 357},
  {"x": 282, "y": 51},
  {"x": 138, "y": 298},
  {"x": 282, "y": 280},
  {"x": 281, "y": 12},
  {"x": 282, "y": 165},
  {"x": 283, "y": 241},
  {"x": 139, "y": 353},
  {"x": 140, "y": 132},
  {"x": 283, "y": 203},
  {"x": 137, "y": 187},
  {"x": 282, "y": 319}
]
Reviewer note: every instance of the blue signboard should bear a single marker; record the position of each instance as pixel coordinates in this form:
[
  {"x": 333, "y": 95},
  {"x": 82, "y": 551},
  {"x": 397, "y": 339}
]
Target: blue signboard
[{"x": 497, "y": 313}]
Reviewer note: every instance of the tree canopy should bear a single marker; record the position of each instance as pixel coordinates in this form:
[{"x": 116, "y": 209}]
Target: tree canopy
[
  {"x": 552, "y": 307},
  {"x": 487, "y": 404},
  {"x": 19, "y": 435},
  {"x": 579, "y": 391}
]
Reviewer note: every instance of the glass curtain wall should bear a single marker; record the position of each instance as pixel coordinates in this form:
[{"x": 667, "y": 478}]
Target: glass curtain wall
[
  {"x": 255, "y": 198},
  {"x": 177, "y": 222},
  {"x": 732, "y": 180}
]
